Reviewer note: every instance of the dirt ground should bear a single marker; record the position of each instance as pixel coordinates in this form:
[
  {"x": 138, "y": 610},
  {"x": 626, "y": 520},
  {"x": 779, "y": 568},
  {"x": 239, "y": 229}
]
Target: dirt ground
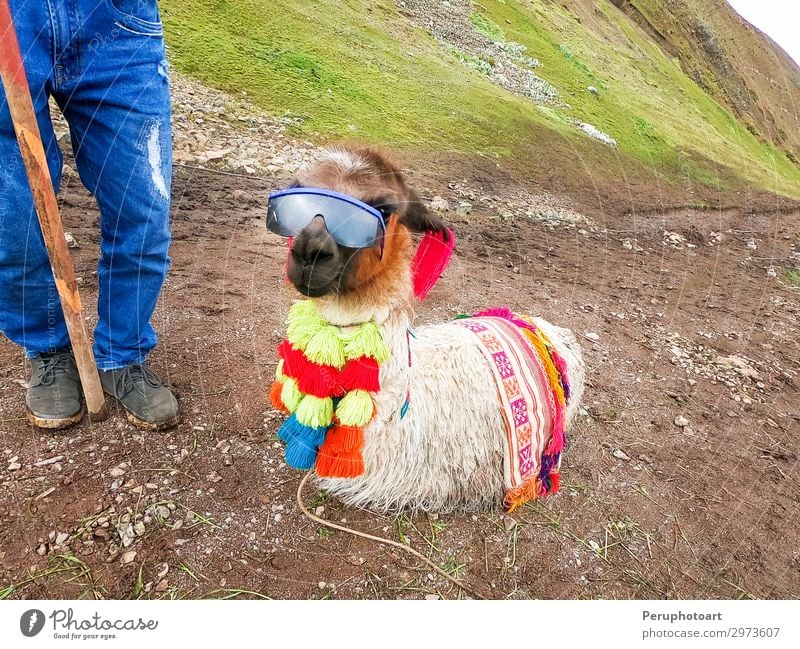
[{"x": 681, "y": 478}]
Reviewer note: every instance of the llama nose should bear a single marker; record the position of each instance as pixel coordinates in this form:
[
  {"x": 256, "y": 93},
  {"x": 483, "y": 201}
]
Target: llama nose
[{"x": 314, "y": 244}]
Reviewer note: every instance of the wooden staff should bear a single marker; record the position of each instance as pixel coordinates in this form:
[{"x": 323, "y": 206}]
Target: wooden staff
[{"x": 20, "y": 104}]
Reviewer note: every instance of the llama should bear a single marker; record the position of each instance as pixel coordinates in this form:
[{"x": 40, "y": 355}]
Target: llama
[{"x": 436, "y": 437}]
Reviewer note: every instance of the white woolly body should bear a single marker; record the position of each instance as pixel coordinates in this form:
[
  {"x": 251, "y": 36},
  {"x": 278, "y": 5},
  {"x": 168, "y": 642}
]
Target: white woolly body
[{"x": 446, "y": 453}]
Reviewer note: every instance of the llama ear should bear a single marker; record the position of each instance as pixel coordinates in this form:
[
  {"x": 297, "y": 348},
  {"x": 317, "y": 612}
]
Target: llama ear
[{"x": 417, "y": 217}]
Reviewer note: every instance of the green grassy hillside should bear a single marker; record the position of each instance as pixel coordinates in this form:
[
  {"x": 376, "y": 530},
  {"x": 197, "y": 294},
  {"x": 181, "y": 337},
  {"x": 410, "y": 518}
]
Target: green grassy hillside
[{"x": 361, "y": 68}]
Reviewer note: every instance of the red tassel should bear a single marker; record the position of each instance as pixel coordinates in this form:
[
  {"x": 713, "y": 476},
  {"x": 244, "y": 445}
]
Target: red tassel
[
  {"x": 555, "y": 483},
  {"x": 360, "y": 374},
  {"x": 294, "y": 361},
  {"x": 321, "y": 382},
  {"x": 430, "y": 260},
  {"x": 275, "y": 396}
]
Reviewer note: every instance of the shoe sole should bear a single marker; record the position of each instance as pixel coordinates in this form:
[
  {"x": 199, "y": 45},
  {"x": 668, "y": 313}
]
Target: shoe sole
[
  {"x": 149, "y": 425},
  {"x": 141, "y": 423},
  {"x": 54, "y": 424}
]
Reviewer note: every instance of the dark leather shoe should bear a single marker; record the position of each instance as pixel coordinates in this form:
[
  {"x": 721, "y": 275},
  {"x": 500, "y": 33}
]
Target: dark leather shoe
[
  {"x": 147, "y": 401},
  {"x": 53, "y": 399}
]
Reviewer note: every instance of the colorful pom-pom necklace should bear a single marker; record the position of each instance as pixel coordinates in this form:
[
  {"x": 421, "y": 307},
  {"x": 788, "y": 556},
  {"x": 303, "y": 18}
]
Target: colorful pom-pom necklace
[{"x": 324, "y": 379}]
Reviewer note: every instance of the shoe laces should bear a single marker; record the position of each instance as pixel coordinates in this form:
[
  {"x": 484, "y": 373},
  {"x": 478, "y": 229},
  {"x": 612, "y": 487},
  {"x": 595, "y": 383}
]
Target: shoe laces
[
  {"x": 136, "y": 377},
  {"x": 49, "y": 368}
]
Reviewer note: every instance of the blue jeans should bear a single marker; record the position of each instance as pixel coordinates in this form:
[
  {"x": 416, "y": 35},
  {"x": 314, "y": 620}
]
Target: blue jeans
[{"x": 103, "y": 62}]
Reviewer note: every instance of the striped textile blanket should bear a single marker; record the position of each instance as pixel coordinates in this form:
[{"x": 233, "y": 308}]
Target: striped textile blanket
[{"x": 532, "y": 390}]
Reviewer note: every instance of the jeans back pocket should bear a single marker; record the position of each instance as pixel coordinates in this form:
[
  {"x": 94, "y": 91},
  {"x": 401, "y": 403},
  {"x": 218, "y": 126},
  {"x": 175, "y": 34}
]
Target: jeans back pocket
[{"x": 137, "y": 16}]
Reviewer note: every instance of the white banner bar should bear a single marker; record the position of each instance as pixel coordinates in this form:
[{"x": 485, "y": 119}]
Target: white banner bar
[{"x": 375, "y": 624}]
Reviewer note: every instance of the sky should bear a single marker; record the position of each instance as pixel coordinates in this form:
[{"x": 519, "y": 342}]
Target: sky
[{"x": 779, "y": 19}]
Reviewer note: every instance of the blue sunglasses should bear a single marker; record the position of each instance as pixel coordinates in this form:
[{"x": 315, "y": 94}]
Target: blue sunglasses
[{"x": 350, "y": 222}]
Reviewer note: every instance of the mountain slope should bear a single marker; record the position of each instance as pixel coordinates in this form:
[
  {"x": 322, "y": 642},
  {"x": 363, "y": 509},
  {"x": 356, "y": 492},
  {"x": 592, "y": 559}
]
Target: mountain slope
[{"x": 394, "y": 74}]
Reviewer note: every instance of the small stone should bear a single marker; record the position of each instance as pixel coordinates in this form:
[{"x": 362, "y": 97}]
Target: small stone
[
  {"x": 128, "y": 557},
  {"x": 432, "y": 597},
  {"x": 163, "y": 572},
  {"x": 593, "y": 90},
  {"x": 61, "y": 538},
  {"x": 14, "y": 466},
  {"x": 126, "y": 534},
  {"x": 620, "y": 454},
  {"x": 319, "y": 511},
  {"x": 591, "y": 335},
  {"x": 439, "y": 204},
  {"x": 681, "y": 421},
  {"x": 509, "y": 523},
  {"x": 41, "y": 550},
  {"x": 116, "y": 472},
  {"x": 139, "y": 529},
  {"x": 101, "y": 533},
  {"x": 72, "y": 242},
  {"x": 161, "y": 586}
]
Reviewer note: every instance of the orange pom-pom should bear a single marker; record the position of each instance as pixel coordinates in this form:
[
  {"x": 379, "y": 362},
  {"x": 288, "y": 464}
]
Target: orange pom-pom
[
  {"x": 349, "y": 464},
  {"x": 344, "y": 438},
  {"x": 275, "y": 397}
]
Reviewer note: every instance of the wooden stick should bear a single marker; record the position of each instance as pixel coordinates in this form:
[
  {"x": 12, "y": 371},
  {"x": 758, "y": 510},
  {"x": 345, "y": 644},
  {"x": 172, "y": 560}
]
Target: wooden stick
[{"x": 20, "y": 104}]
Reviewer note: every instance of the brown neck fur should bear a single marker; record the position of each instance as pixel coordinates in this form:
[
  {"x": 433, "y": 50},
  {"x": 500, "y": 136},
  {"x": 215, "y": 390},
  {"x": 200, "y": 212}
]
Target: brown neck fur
[{"x": 382, "y": 285}]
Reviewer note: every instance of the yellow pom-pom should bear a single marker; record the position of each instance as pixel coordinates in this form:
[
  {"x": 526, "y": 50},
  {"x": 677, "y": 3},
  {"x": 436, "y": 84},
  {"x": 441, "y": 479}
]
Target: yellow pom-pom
[
  {"x": 315, "y": 412},
  {"x": 291, "y": 395},
  {"x": 303, "y": 323},
  {"x": 355, "y": 409},
  {"x": 325, "y": 347},
  {"x": 367, "y": 340},
  {"x": 279, "y": 375}
]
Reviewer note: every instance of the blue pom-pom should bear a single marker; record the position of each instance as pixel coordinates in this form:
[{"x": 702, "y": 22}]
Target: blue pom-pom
[{"x": 302, "y": 442}]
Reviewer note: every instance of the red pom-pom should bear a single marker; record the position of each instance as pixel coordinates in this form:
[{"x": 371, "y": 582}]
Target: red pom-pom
[
  {"x": 319, "y": 380},
  {"x": 294, "y": 361},
  {"x": 360, "y": 374}
]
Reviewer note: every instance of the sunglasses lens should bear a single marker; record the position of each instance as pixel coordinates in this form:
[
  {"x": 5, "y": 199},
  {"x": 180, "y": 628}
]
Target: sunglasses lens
[{"x": 349, "y": 222}]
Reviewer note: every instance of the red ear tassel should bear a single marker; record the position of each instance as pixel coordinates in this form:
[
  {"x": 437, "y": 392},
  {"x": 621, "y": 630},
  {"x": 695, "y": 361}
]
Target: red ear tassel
[
  {"x": 360, "y": 374},
  {"x": 431, "y": 259}
]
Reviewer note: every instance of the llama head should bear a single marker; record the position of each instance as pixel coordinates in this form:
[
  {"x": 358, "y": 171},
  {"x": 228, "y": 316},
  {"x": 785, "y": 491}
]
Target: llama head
[{"x": 320, "y": 266}]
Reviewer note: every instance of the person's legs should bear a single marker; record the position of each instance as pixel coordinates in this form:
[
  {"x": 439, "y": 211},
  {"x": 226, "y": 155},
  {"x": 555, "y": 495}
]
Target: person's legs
[
  {"x": 115, "y": 96},
  {"x": 30, "y": 311},
  {"x": 118, "y": 108}
]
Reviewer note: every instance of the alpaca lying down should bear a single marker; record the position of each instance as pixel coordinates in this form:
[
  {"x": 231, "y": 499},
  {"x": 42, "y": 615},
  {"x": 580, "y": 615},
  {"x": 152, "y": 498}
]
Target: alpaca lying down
[{"x": 461, "y": 415}]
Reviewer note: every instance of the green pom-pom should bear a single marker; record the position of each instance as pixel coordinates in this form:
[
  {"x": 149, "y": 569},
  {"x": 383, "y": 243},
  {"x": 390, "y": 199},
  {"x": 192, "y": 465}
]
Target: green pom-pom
[
  {"x": 325, "y": 347},
  {"x": 355, "y": 408},
  {"x": 303, "y": 323},
  {"x": 291, "y": 395},
  {"x": 367, "y": 340},
  {"x": 279, "y": 375},
  {"x": 315, "y": 412}
]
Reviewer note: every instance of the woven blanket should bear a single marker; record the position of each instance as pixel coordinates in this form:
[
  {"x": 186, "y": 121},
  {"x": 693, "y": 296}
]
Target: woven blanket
[{"x": 530, "y": 390}]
